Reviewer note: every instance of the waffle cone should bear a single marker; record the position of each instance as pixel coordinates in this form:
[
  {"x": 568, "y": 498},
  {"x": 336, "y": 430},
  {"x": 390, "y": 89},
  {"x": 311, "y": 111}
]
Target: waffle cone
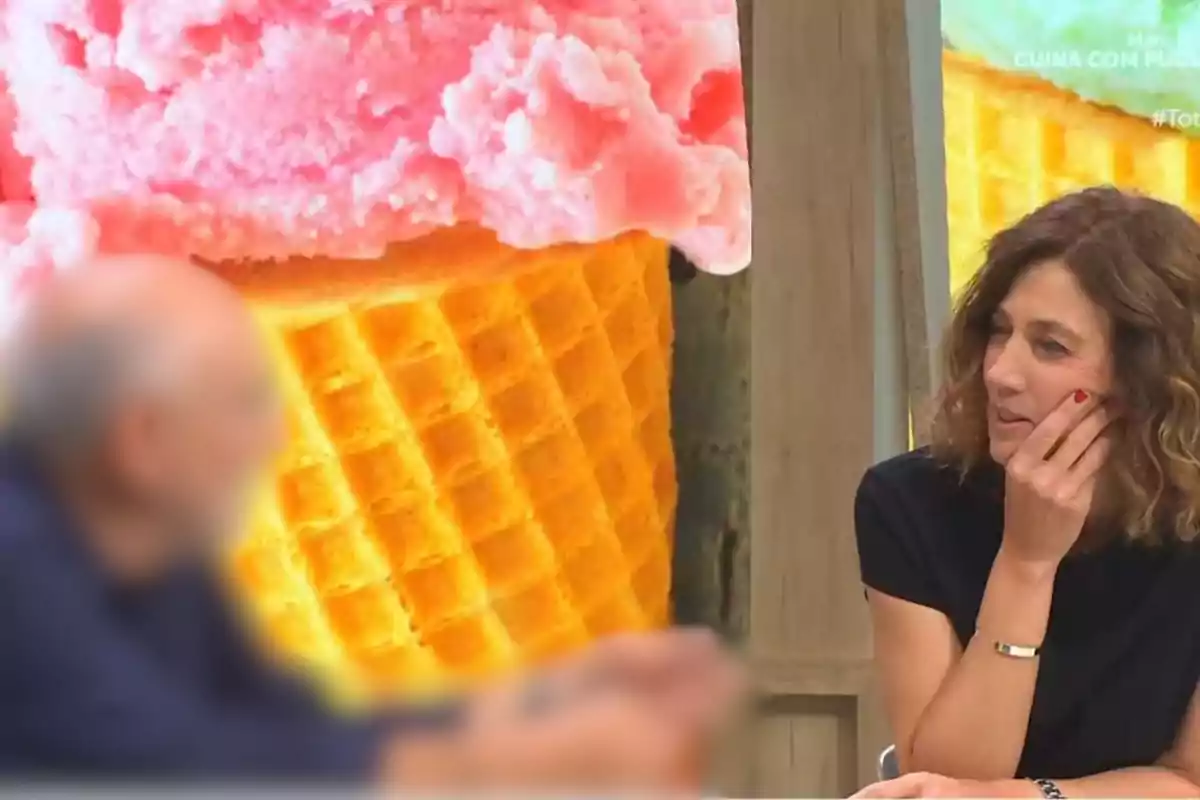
[
  {"x": 481, "y": 472},
  {"x": 1015, "y": 142}
]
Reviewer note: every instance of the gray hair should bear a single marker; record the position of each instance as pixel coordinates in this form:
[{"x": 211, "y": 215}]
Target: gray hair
[{"x": 61, "y": 389}]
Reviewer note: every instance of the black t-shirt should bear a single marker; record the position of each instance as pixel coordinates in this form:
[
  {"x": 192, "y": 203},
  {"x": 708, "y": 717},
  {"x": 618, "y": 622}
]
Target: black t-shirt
[{"x": 1121, "y": 658}]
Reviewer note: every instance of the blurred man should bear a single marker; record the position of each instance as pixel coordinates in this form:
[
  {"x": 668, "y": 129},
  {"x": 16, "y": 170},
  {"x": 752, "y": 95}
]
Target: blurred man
[{"x": 141, "y": 412}]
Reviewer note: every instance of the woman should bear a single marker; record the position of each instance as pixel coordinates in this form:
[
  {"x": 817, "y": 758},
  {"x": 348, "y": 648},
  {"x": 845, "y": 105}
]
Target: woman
[{"x": 1033, "y": 576}]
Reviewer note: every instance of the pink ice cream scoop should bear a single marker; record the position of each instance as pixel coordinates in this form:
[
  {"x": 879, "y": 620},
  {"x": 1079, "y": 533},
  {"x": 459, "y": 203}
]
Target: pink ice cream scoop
[{"x": 265, "y": 129}]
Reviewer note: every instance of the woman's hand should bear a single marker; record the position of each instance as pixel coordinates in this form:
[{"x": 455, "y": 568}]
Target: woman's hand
[
  {"x": 925, "y": 784},
  {"x": 1050, "y": 480}
]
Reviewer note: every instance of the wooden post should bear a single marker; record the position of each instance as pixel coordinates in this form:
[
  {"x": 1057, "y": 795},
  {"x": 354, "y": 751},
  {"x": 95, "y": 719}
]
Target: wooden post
[
  {"x": 792, "y": 378},
  {"x": 815, "y": 118},
  {"x": 839, "y": 230}
]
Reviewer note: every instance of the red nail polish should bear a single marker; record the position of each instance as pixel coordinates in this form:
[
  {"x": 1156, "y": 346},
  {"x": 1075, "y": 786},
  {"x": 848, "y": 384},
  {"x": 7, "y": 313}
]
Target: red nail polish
[{"x": 1080, "y": 395}]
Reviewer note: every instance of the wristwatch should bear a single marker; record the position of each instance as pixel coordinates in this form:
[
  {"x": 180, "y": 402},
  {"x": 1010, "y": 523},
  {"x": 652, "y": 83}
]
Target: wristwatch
[{"x": 1049, "y": 789}]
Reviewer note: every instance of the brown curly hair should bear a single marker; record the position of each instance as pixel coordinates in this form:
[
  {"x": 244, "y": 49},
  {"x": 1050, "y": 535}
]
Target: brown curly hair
[{"x": 1138, "y": 259}]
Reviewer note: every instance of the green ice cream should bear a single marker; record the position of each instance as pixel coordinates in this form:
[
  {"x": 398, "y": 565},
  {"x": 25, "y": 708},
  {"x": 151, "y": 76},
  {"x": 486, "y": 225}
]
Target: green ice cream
[{"x": 1141, "y": 56}]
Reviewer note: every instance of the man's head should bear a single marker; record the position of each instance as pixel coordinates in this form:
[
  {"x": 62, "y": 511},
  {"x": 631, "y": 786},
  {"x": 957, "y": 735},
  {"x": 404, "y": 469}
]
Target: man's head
[{"x": 147, "y": 378}]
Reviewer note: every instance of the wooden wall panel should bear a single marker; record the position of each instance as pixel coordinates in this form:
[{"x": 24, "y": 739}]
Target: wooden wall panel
[
  {"x": 822, "y": 178},
  {"x": 780, "y": 399}
]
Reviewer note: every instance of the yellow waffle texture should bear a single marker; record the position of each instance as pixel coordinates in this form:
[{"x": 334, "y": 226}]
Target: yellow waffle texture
[
  {"x": 1015, "y": 142},
  {"x": 481, "y": 473}
]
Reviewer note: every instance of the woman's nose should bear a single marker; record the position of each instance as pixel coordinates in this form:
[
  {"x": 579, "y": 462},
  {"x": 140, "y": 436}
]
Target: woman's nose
[{"x": 1005, "y": 373}]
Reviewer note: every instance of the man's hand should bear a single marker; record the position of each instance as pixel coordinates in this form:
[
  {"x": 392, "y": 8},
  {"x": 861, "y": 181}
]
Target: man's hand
[
  {"x": 632, "y": 713},
  {"x": 605, "y": 739},
  {"x": 685, "y": 672},
  {"x": 685, "y": 683}
]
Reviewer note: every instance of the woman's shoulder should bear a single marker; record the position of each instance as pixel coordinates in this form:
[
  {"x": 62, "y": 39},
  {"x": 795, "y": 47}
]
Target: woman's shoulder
[
  {"x": 914, "y": 465},
  {"x": 926, "y": 529},
  {"x": 922, "y": 475},
  {"x": 926, "y": 491}
]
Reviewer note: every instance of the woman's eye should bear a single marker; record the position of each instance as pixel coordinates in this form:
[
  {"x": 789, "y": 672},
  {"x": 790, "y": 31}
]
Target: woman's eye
[{"x": 1051, "y": 347}]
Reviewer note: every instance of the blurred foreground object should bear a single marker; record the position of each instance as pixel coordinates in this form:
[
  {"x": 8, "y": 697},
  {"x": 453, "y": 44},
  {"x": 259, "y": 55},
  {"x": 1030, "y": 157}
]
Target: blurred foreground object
[
  {"x": 454, "y": 222},
  {"x": 141, "y": 413}
]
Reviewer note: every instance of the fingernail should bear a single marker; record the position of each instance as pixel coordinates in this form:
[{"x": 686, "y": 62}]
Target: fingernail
[{"x": 1080, "y": 395}]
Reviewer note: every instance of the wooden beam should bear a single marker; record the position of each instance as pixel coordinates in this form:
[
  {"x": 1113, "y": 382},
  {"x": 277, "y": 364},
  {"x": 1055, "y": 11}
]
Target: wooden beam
[
  {"x": 837, "y": 176},
  {"x": 914, "y": 159},
  {"x": 924, "y": 37},
  {"x": 901, "y": 181},
  {"x": 812, "y": 382}
]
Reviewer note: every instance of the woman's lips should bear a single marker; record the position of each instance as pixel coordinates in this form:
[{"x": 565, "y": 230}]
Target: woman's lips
[{"x": 1008, "y": 418}]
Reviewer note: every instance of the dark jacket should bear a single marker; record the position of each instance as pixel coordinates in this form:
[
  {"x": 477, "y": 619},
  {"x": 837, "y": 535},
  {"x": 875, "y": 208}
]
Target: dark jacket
[{"x": 102, "y": 682}]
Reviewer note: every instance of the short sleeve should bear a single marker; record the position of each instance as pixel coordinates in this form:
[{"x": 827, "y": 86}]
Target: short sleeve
[{"x": 892, "y": 551}]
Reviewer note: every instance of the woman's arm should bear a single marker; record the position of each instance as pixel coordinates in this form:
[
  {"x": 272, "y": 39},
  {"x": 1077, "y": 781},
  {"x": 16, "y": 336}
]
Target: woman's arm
[
  {"x": 1156, "y": 782},
  {"x": 962, "y": 713},
  {"x": 1139, "y": 782},
  {"x": 974, "y": 723},
  {"x": 1177, "y": 774}
]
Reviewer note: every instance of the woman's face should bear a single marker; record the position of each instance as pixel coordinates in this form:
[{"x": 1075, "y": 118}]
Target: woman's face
[{"x": 1048, "y": 341}]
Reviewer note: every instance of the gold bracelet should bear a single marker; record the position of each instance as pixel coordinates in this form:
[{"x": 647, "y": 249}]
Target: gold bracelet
[{"x": 1015, "y": 650}]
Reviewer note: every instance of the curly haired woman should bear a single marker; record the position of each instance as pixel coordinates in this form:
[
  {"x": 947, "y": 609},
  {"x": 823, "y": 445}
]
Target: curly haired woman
[{"x": 1033, "y": 575}]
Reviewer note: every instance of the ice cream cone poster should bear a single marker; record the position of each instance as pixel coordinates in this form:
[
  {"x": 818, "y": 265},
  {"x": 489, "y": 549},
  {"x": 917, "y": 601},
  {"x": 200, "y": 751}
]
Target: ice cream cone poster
[
  {"x": 1044, "y": 98},
  {"x": 453, "y": 220}
]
